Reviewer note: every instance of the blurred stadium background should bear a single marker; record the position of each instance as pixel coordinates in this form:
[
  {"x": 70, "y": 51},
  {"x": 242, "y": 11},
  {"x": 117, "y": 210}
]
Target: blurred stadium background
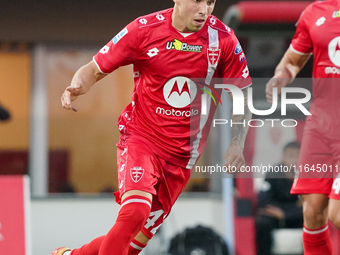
[{"x": 71, "y": 157}]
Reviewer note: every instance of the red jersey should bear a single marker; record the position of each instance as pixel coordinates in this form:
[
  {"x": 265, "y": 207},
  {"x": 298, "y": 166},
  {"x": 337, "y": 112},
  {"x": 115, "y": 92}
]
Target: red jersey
[
  {"x": 165, "y": 111},
  {"x": 318, "y": 32}
]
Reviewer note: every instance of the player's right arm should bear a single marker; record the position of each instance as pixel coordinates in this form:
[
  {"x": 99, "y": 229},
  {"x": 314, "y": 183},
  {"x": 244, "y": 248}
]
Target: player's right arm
[
  {"x": 295, "y": 57},
  {"x": 286, "y": 71},
  {"x": 81, "y": 83},
  {"x": 121, "y": 50}
]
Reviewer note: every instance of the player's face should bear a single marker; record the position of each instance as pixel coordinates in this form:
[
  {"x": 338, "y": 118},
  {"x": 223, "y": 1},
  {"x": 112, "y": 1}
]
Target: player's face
[{"x": 191, "y": 15}]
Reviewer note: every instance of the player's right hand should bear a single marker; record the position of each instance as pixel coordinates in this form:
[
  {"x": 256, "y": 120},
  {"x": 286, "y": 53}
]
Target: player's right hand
[
  {"x": 70, "y": 94},
  {"x": 277, "y": 83}
]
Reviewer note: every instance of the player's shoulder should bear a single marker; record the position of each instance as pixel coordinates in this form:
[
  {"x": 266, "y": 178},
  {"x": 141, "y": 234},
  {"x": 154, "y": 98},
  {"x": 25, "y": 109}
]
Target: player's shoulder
[
  {"x": 217, "y": 24},
  {"x": 318, "y": 5},
  {"x": 153, "y": 19}
]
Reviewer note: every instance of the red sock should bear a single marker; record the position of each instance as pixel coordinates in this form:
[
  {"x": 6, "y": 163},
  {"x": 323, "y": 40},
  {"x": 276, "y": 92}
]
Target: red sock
[
  {"x": 317, "y": 241},
  {"x": 136, "y": 247},
  {"x": 132, "y": 216},
  {"x": 91, "y": 248}
]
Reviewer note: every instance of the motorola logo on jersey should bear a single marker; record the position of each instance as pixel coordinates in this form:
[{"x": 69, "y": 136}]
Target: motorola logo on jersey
[
  {"x": 334, "y": 51},
  {"x": 178, "y": 92}
]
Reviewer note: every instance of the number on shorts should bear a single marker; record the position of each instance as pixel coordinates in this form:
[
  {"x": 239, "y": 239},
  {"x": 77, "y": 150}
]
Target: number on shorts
[{"x": 154, "y": 216}]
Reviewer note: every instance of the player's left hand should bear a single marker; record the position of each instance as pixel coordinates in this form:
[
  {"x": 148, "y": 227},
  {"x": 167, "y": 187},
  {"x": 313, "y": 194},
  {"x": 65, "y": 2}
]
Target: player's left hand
[{"x": 234, "y": 158}]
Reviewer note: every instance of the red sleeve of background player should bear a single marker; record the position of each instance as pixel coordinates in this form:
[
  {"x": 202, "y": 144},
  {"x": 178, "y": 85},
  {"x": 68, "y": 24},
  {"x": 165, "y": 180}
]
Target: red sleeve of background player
[
  {"x": 120, "y": 51},
  {"x": 301, "y": 42},
  {"x": 234, "y": 63}
]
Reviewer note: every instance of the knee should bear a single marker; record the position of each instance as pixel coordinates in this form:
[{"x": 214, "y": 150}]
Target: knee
[
  {"x": 314, "y": 216},
  {"x": 334, "y": 217}
]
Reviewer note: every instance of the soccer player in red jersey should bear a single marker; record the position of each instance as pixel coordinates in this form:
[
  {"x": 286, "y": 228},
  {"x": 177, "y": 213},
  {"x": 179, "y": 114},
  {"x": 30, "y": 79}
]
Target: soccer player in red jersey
[
  {"x": 317, "y": 33},
  {"x": 162, "y": 130}
]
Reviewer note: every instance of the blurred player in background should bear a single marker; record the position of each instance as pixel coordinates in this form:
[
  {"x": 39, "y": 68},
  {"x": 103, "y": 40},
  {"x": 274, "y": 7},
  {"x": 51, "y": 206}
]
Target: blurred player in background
[
  {"x": 276, "y": 207},
  {"x": 162, "y": 130},
  {"x": 317, "y": 33}
]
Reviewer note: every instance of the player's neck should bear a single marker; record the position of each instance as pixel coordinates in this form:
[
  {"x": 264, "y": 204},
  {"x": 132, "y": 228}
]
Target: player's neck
[{"x": 177, "y": 22}]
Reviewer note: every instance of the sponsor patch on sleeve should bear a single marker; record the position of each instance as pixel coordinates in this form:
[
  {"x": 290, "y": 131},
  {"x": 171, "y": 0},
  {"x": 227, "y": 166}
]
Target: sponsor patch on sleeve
[
  {"x": 238, "y": 48},
  {"x": 119, "y": 36}
]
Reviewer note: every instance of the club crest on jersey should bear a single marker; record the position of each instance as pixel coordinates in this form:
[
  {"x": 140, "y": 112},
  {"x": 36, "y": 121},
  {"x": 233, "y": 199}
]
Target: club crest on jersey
[
  {"x": 213, "y": 55},
  {"x": 336, "y": 14},
  {"x": 136, "y": 173},
  {"x": 181, "y": 46}
]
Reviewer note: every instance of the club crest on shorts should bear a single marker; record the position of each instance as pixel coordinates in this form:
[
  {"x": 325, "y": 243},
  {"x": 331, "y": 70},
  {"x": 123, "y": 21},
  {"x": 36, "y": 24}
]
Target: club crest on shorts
[
  {"x": 214, "y": 55},
  {"x": 136, "y": 173}
]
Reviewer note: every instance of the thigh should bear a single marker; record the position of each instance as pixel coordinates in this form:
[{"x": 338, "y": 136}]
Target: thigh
[
  {"x": 313, "y": 174},
  {"x": 138, "y": 169}
]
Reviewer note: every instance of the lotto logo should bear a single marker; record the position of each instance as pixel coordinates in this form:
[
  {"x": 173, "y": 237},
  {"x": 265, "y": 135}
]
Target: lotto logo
[
  {"x": 143, "y": 21},
  {"x": 212, "y": 21},
  {"x": 160, "y": 17},
  {"x": 320, "y": 21},
  {"x": 153, "y": 52},
  {"x": 104, "y": 50},
  {"x": 245, "y": 72}
]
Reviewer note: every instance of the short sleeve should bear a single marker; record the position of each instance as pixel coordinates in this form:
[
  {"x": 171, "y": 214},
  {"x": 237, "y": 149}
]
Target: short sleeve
[
  {"x": 301, "y": 42},
  {"x": 121, "y": 50},
  {"x": 234, "y": 63}
]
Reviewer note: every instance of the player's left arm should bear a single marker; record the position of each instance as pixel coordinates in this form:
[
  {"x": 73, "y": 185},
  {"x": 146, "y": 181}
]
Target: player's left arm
[{"x": 234, "y": 154}]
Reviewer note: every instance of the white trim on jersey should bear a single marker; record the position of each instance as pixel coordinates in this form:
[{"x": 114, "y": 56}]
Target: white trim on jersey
[
  {"x": 298, "y": 52},
  {"x": 98, "y": 66},
  {"x": 184, "y": 34},
  {"x": 213, "y": 43}
]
